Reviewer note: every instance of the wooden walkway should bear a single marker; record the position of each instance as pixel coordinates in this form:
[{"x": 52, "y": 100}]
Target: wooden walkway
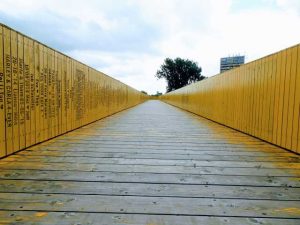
[{"x": 153, "y": 164}]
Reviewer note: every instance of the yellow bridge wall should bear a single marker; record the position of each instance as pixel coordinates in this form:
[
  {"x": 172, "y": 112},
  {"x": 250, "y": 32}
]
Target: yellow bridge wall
[
  {"x": 44, "y": 93},
  {"x": 260, "y": 98}
]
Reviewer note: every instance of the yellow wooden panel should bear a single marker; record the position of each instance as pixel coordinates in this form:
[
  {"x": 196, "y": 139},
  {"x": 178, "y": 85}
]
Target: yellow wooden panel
[
  {"x": 260, "y": 99},
  {"x": 265, "y": 98},
  {"x": 249, "y": 108},
  {"x": 256, "y": 98},
  {"x": 27, "y": 93},
  {"x": 59, "y": 92},
  {"x": 87, "y": 97},
  {"x": 252, "y": 97},
  {"x": 68, "y": 98},
  {"x": 37, "y": 71},
  {"x": 242, "y": 93},
  {"x": 232, "y": 98},
  {"x": 289, "y": 98},
  {"x": 56, "y": 95},
  {"x": 63, "y": 94},
  {"x": 272, "y": 92},
  {"x": 15, "y": 90},
  {"x": 49, "y": 105},
  {"x": 2, "y": 98},
  {"x": 286, "y": 91},
  {"x": 46, "y": 88},
  {"x": 276, "y": 97},
  {"x": 32, "y": 92},
  {"x": 72, "y": 104},
  {"x": 281, "y": 97},
  {"x": 296, "y": 113},
  {"x": 21, "y": 92},
  {"x": 43, "y": 92}
]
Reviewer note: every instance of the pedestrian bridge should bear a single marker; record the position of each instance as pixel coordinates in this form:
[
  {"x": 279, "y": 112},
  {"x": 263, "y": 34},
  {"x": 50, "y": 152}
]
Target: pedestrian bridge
[{"x": 79, "y": 147}]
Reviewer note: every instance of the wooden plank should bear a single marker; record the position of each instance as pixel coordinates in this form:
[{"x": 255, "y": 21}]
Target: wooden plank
[
  {"x": 281, "y": 97},
  {"x": 240, "y": 143},
  {"x": 272, "y": 71},
  {"x": 65, "y": 218},
  {"x": 255, "y": 156},
  {"x": 63, "y": 94},
  {"x": 45, "y": 86},
  {"x": 267, "y": 81},
  {"x": 8, "y": 91},
  {"x": 291, "y": 98},
  {"x": 58, "y": 93},
  {"x": 119, "y": 148},
  {"x": 37, "y": 73},
  {"x": 15, "y": 90},
  {"x": 296, "y": 111},
  {"x": 21, "y": 92},
  {"x": 151, "y": 168},
  {"x": 2, "y": 97},
  {"x": 149, "y": 190},
  {"x": 27, "y": 90},
  {"x": 255, "y": 108},
  {"x": 150, "y": 205},
  {"x": 33, "y": 75},
  {"x": 286, "y": 99},
  {"x": 277, "y": 65},
  {"x": 68, "y": 95},
  {"x": 148, "y": 177},
  {"x": 155, "y": 162}
]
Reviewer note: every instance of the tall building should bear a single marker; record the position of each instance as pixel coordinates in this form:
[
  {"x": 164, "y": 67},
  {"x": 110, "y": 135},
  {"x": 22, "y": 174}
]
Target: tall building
[{"x": 228, "y": 63}]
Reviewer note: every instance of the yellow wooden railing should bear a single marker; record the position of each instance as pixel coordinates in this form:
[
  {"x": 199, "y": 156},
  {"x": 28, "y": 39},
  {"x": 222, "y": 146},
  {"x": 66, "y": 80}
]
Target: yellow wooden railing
[
  {"x": 44, "y": 93},
  {"x": 260, "y": 98}
]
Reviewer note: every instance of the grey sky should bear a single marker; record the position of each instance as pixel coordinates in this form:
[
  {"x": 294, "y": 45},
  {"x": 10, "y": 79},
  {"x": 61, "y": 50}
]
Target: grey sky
[{"x": 129, "y": 39}]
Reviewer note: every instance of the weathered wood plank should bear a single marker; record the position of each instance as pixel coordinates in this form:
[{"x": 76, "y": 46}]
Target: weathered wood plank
[
  {"x": 149, "y": 168},
  {"x": 101, "y": 148},
  {"x": 154, "y": 190},
  {"x": 150, "y": 205},
  {"x": 151, "y": 162},
  {"x": 159, "y": 178},
  {"x": 67, "y": 218},
  {"x": 162, "y": 155}
]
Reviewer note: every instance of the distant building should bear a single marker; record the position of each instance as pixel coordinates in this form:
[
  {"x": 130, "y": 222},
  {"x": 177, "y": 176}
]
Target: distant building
[{"x": 228, "y": 63}]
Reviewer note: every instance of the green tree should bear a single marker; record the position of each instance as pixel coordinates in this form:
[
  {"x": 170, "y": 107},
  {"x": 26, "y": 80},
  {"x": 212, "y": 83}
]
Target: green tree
[
  {"x": 179, "y": 73},
  {"x": 144, "y": 92},
  {"x": 157, "y": 94}
]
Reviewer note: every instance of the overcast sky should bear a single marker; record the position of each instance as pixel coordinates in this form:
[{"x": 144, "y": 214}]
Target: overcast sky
[{"x": 129, "y": 39}]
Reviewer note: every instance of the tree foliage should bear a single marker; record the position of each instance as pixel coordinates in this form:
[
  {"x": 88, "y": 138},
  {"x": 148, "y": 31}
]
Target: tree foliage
[{"x": 179, "y": 73}]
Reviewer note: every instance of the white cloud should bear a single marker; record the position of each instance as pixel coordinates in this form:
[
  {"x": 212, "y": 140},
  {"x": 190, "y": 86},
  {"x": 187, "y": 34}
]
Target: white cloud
[{"x": 129, "y": 39}]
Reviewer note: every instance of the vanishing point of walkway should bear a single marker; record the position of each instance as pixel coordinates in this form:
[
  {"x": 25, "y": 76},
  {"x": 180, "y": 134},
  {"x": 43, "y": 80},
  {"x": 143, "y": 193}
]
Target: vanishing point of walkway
[{"x": 153, "y": 164}]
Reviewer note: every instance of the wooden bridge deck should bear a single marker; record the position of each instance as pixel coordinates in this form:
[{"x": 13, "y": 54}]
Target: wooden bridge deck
[{"x": 153, "y": 164}]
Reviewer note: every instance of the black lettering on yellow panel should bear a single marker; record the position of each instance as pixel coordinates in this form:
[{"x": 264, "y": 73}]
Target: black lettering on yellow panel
[
  {"x": 37, "y": 71},
  {"x": 27, "y": 90},
  {"x": 2, "y": 98},
  {"x": 31, "y": 57},
  {"x": 15, "y": 90},
  {"x": 22, "y": 133}
]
